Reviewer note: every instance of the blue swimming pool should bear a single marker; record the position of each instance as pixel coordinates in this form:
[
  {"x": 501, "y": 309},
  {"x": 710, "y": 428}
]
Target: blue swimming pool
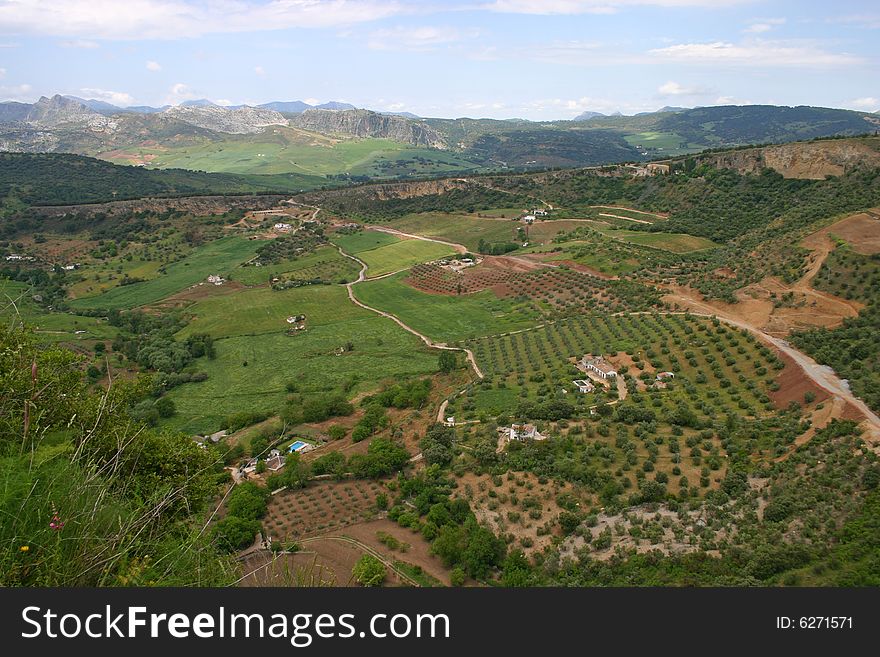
[{"x": 298, "y": 445}]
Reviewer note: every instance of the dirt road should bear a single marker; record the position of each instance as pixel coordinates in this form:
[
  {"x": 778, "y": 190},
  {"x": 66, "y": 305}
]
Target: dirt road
[{"x": 424, "y": 338}]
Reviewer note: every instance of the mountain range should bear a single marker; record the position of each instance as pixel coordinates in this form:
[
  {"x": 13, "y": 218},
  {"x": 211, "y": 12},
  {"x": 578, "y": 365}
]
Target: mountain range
[
  {"x": 288, "y": 107},
  {"x": 294, "y": 137}
]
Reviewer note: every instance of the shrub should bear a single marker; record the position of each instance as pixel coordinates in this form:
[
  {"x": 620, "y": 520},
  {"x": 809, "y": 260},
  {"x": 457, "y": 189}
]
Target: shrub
[{"x": 369, "y": 571}]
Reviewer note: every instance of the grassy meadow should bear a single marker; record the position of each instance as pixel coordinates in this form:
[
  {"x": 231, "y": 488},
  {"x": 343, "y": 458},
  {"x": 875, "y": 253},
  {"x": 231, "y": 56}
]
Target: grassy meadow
[
  {"x": 445, "y": 318},
  {"x": 217, "y": 257}
]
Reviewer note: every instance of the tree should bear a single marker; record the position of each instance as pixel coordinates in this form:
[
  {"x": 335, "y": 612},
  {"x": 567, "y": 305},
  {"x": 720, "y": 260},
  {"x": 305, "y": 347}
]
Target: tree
[
  {"x": 234, "y": 533},
  {"x": 165, "y": 407},
  {"x": 447, "y": 361},
  {"x": 247, "y": 501},
  {"x": 369, "y": 571},
  {"x": 437, "y": 444}
]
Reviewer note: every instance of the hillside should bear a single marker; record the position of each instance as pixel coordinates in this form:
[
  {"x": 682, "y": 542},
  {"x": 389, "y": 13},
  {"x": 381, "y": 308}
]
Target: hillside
[
  {"x": 363, "y": 123},
  {"x": 60, "y": 179},
  {"x": 354, "y": 144}
]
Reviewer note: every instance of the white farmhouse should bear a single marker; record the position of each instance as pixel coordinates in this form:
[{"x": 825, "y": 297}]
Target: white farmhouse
[{"x": 598, "y": 366}]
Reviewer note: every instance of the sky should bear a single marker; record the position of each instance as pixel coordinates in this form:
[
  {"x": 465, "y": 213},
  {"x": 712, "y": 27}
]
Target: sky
[{"x": 532, "y": 59}]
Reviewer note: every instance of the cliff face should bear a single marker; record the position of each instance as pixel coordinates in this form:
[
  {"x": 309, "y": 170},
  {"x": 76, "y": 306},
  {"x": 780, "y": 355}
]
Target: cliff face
[
  {"x": 807, "y": 160},
  {"x": 364, "y": 123},
  {"x": 243, "y": 120}
]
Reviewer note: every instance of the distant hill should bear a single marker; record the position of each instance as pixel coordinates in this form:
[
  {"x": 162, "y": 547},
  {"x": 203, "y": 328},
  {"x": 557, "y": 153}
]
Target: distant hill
[
  {"x": 243, "y": 120},
  {"x": 335, "y": 105},
  {"x": 755, "y": 124},
  {"x": 586, "y": 116},
  {"x": 364, "y": 123},
  {"x": 62, "y": 179},
  {"x": 290, "y": 107}
]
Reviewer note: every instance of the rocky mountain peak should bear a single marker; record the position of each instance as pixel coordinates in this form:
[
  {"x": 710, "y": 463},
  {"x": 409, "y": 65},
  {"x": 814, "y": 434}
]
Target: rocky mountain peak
[{"x": 364, "y": 123}]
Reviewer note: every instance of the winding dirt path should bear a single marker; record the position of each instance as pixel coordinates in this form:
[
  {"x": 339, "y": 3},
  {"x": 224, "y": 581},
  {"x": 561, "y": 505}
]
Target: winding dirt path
[
  {"x": 424, "y": 338},
  {"x": 821, "y": 375}
]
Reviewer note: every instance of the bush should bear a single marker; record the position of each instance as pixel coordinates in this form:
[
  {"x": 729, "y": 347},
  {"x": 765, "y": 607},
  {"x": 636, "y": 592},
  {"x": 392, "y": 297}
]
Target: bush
[
  {"x": 247, "y": 501},
  {"x": 369, "y": 571},
  {"x": 234, "y": 533}
]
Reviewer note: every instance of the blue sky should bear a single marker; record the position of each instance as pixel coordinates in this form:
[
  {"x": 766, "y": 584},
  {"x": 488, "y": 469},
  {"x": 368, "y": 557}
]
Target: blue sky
[{"x": 535, "y": 59}]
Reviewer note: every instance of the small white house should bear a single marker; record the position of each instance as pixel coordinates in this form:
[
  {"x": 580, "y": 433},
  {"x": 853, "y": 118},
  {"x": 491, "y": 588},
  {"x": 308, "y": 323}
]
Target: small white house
[
  {"x": 529, "y": 219},
  {"x": 282, "y": 227},
  {"x": 215, "y": 279},
  {"x": 662, "y": 376},
  {"x": 540, "y": 212},
  {"x": 524, "y": 432}
]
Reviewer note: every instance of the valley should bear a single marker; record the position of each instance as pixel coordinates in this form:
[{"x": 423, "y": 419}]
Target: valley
[{"x": 576, "y": 377}]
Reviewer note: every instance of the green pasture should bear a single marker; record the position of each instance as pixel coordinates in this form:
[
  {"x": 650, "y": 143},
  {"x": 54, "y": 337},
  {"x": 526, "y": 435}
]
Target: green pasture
[
  {"x": 250, "y": 372},
  {"x": 674, "y": 242},
  {"x": 261, "y": 310},
  {"x": 445, "y": 318},
  {"x": 463, "y": 229},
  {"x": 365, "y": 240},
  {"x": 324, "y": 262},
  {"x": 402, "y": 255},
  {"x": 217, "y": 257},
  {"x": 17, "y": 306}
]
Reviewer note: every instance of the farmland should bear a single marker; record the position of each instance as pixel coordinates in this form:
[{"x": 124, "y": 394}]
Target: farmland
[
  {"x": 402, "y": 254},
  {"x": 288, "y": 150},
  {"x": 443, "y": 426},
  {"x": 217, "y": 257},
  {"x": 445, "y": 318},
  {"x": 324, "y": 263}
]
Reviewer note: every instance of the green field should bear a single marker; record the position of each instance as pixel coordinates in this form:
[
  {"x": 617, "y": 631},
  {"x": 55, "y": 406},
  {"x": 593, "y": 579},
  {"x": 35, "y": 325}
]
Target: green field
[
  {"x": 402, "y": 255},
  {"x": 674, "y": 242},
  {"x": 459, "y": 228},
  {"x": 262, "y": 310},
  {"x": 669, "y": 142},
  {"x": 288, "y": 150},
  {"x": 256, "y": 359},
  {"x": 445, "y": 318},
  {"x": 325, "y": 263},
  {"x": 16, "y": 305},
  {"x": 217, "y": 257},
  {"x": 365, "y": 240}
]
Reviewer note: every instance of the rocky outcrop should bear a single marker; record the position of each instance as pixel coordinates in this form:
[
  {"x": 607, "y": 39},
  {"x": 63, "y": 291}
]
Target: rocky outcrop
[
  {"x": 59, "y": 111},
  {"x": 239, "y": 121},
  {"x": 808, "y": 160},
  {"x": 364, "y": 123}
]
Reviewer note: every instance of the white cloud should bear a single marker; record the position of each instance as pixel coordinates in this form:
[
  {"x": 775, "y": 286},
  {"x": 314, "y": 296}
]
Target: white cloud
[
  {"x": 178, "y": 93},
  {"x": 153, "y": 66},
  {"x": 17, "y": 92},
  {"x": 312, "y": 101},
  {"x": 672, "y": 88},
  {"x": 762, "y": 25},
  {"x": 119, "y": 98},
  {"x": 223, "y": 101},
  {"x": 84, "y": 44},
  {"x": 175, "y": 19},
  {"x": 417, "y": 38},
  {"x": 566, "y": 52},
  {"x": 731, "y": 100},
  {"x": 754, "y": 53},
  {"x": 867, "y": 103},
  {"x": 869, "y": 21},
  {"x": 2, "y": 73},
  {"x": 260, "y": 71},
  {"x": 545, "y": 7}
]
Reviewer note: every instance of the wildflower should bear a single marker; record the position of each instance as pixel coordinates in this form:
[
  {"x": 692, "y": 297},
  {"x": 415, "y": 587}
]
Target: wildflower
[
  {"x": 25, "y": 548},
  {"x": 56, "y": 523}
]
